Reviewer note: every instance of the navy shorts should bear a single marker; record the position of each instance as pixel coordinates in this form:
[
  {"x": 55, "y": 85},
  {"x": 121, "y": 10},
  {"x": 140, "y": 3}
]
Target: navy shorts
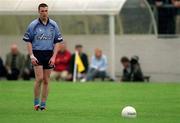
[{"x": 43, "y": 58}]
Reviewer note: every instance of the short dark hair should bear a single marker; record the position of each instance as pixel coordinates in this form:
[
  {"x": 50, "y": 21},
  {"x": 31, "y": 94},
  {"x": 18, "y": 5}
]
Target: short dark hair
[
  {"x": 78, "y": 46},
  {"x": 124, "y": 59},
  {"x": 42, "y": 5}
]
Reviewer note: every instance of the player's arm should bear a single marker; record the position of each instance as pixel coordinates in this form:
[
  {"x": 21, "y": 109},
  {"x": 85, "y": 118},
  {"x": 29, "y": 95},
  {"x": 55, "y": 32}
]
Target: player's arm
[
  {"x": 58, "y": 41},
  {"x": 28, "y": 37},
  {"x": 29, "y": 48},
  {"x": 55, "y": 51},
  {"x": 33, "y": 58}
]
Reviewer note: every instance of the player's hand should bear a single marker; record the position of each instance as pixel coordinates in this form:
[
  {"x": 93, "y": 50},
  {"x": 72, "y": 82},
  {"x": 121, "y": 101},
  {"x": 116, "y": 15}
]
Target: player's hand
[
  {"x": 52, "y": 61},
  {"x": 34, "y": 60}
]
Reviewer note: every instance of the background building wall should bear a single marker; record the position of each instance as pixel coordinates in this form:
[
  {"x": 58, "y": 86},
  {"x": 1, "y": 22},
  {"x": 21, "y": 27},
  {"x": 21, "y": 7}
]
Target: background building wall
[{"x": 160, "y": 58}]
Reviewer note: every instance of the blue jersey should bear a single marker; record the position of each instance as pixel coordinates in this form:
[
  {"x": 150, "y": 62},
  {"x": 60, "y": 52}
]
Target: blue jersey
[{"x": 43, "y": 37}]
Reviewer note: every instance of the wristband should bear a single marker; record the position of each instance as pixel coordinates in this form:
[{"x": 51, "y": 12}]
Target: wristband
[{"x": 32, "y": 56}]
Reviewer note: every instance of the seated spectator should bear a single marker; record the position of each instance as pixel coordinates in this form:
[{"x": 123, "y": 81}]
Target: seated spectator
[
  {"x": 98, "y": 66},
  {"x": 132, "y": 70},
  {"x": 28, "y": 71},
  {"x": 62, "y": 64},
  {"x": 136, "y": 72},
  {"x": 14, "y": 63},
  {"x": 2, "y": 69},
  {"x": 126, "y": 70},
  {"x": 84, "y": 58}
]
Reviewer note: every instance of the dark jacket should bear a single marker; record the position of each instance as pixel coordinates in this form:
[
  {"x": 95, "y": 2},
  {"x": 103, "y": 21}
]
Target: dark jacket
[
  {"x": 19, "y": 61},
  {"x": 84, "y": 59},
  {"x": 2, "y": 68},
  {"x": 136, "y": 73},
  {"x": 133, "y": 73},
  {"x": 126, "y": 74}
]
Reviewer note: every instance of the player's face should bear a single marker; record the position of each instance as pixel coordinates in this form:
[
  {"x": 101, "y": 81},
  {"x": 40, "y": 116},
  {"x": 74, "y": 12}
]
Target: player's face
[{"x": 43, "y": 12}]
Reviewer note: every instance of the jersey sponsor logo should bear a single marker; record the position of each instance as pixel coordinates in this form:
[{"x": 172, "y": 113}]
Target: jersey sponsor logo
[{"x": 44, "y": 37}]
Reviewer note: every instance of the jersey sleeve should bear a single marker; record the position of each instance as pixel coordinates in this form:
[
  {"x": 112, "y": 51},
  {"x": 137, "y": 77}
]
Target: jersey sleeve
[
  {"x": 58, "y": 36},
  {"x": 28, "y": 36}
]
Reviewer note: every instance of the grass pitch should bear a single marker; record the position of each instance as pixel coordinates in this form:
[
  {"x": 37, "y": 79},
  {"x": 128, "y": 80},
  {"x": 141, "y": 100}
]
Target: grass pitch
[{"x": 91, "y": 102}]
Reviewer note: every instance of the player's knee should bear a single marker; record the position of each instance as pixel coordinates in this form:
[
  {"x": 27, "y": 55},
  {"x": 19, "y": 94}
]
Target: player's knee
[
  {"x": 45, "y": 82},
  {"x": 38, "y": 84},
  {"x": 39, "y": 79}
]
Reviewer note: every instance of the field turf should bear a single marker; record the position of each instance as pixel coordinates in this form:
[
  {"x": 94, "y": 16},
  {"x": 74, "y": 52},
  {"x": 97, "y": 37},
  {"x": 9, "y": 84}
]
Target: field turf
[{"x": 93, "y": 102}]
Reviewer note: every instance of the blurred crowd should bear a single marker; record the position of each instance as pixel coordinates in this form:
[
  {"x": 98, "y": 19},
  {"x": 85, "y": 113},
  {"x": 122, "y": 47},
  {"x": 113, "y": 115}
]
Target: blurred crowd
[
  {"x": 168, "y": 15},
  {"x": 18, "y": 66}
]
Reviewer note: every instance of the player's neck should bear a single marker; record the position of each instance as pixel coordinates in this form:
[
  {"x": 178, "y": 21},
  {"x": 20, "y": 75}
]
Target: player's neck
[{"x": 44, "y": 20}]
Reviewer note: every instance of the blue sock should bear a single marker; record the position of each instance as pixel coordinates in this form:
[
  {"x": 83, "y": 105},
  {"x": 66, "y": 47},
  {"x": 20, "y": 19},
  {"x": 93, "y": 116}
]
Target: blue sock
[
  {"x": 36, "y": 101},
  {"x": 43, "y": 104}
]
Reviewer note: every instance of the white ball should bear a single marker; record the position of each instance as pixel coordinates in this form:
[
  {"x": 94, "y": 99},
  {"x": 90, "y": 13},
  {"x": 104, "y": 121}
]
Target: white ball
[{"x": 129, "y": 112}]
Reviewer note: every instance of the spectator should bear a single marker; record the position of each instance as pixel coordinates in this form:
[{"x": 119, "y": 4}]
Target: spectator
[
  {"x": 28, "y": 71},
  {"x": 176, "y": 3},
  {"x": 166, "y": 17},
  {"x": 2, "y": 68},
  {"x": 127, "y": 69},
  {"x": 62, "y": 62},
  {"x": 14, "y": 63},
  {"x": 98, "y": 66},
  {"x": 136, "y": 72},
  {"x": 132, "y": 70},
  {"x": 84, "y": 58}
]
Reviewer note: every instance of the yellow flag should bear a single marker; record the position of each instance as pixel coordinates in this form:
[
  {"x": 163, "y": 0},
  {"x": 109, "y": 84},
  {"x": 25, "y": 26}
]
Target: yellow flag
[{"x": 80, "y": 65}]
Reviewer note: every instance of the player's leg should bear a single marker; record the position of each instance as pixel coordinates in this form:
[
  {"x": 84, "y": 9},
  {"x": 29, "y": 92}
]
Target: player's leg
[
  {"x": 46, "y": 73},
  {"x": 38, "y": 70}
]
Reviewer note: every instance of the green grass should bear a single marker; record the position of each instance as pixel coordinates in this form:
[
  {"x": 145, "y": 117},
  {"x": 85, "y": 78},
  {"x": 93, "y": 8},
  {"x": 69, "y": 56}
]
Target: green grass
[{"x": 91, "y": 103}]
